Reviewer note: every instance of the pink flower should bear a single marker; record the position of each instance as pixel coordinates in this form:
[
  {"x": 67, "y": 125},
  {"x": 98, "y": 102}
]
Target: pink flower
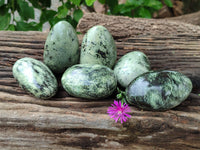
[{"x": 119, "y": 111}]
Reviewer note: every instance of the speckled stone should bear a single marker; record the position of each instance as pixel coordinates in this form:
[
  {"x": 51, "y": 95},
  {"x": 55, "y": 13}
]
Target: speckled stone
[
  {"x": 98, "y": 47},
  {"x": 35, "y": 78},
  {"x": 61, "y": 48},
  {"x": 130, "y": 66},
  {"x": 160, "y": 90},
  {"x": 89, "y": 81}
]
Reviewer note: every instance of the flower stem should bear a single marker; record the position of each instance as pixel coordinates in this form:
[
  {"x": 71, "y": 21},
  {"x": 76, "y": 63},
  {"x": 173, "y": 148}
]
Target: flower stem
[{"x": 121, "y": 96}]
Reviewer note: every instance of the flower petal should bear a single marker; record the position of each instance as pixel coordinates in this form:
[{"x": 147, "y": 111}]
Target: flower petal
[
  {"x": 119, "y": 111},
  {"x": 116, "y": 103},
  {"x": 127, "y": 115}
]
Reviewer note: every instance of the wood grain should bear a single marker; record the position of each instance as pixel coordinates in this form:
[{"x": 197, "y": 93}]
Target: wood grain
[{"x": 65, "y": 122}]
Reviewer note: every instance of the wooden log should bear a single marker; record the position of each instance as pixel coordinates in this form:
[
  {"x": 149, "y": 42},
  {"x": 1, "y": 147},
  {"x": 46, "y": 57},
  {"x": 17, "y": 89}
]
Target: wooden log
[
  {"x": 65, "y": 122},
  {"x": 124, "y": 27},
  {"x": 192, "y": 18}
]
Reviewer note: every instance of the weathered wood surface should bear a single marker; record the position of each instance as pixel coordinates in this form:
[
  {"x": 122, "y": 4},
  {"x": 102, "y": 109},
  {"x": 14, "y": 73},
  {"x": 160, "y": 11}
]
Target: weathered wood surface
[{"x": 65, "y": 122}]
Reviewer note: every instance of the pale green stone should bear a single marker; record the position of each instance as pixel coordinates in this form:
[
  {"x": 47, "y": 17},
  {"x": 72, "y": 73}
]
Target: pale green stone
[
  {"x": 130, "y": 66},
  {"x": 61, "y": 48},
  {"x": 98, "y": 47},
  {"x": 35, "y": 77}
]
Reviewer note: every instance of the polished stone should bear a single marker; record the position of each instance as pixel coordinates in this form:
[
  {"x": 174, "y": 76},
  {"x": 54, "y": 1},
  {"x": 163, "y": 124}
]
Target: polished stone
[
  {"x": 98, "y": 47},
  {"x": 61, "y": 48},
  {"x": 159, "y": 90},
  {"x": 89, "y": 81},
  {"x": 35, "y": 77}
]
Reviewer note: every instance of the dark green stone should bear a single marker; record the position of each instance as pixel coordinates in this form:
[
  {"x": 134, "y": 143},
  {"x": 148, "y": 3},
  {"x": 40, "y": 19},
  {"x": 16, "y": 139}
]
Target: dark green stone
[
  {"x": 35, "y": 77},
  {"x": 89, "y": 81},
  {"x": 159, "y": 90}
]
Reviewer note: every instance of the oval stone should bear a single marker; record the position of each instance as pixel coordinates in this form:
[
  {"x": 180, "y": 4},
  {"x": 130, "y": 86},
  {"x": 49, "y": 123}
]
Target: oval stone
[
  {"x": 89, "y": 81},
  {"x": 159, "y": 90},
  {"x": 61, "y": 48},
  {"x": 130, "y": 66},
  {"x": 98, "y": 47},
  {"x": 35, "y": 77}
]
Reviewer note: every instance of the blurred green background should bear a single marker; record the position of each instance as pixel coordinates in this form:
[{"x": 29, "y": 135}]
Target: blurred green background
[{"x": 40, "y": 15}]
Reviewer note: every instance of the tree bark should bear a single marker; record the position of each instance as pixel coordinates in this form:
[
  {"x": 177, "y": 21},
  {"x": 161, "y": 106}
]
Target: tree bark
[
  {"x": 193, "y": 18},
  {"x": 65, "y": 122},
  {"x": 124, "y": 27}
]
